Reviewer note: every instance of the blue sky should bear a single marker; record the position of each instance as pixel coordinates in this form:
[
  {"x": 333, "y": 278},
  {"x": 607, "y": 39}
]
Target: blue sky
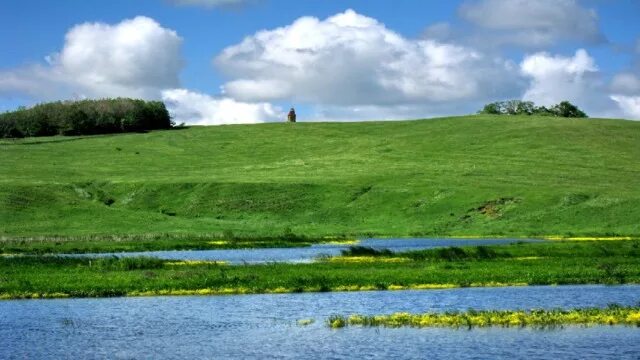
[{"x": 333, "y": 60}]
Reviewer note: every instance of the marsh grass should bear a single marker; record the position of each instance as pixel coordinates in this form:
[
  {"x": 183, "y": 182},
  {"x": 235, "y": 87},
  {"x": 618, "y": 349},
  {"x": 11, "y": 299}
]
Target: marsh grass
[
  {"x": 523, "y": 251},
  {"x": 148, "y": 242},
  {"x": 451, "y": 253},
  {"x": 365, "y": 251},
  {"x": 537, "y": 318},
  {"x": 546, "y": 263},
  {"x": 126, "y": 263}
]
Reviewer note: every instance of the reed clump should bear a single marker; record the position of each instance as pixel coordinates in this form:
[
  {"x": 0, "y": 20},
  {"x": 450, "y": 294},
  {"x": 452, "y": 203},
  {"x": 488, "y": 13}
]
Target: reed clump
[{"x": 365, "y": 251}]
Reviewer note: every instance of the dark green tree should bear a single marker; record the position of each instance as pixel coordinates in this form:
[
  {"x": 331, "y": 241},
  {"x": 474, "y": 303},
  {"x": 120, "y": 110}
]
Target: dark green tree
[
  {"x": 567, "y": 109},
  {"x": 519, "y": 107},
  {"x": 85, "y": 117},
  {"x": 491, "y": 108}
]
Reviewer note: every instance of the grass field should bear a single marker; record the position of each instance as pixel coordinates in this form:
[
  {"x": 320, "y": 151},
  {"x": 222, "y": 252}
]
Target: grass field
[
  {"x": 462, "y": 176},
  {"x": 545, "y": 263}
]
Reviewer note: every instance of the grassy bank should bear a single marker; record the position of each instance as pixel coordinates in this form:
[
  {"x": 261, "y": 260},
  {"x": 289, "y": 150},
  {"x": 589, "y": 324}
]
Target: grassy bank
[
  {"x": 475, "y": 175},
  {"x": 581, "y": 262},
  {"x": 151, "y": 242},
  {"x": 612, "y": 315}
]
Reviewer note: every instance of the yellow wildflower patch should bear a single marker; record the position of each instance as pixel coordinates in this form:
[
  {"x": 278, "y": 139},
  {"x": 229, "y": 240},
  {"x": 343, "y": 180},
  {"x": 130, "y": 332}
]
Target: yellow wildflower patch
[
  {"x": 396, "y": 287},
  {"x": 633, "y": 317},
  {"x": 218, "y": 242},
  {"x": 191, "y": 292},
  {"x": 342, "y": 242},
  {"x": 587, "y": 238},
  {"x": 497, "y": 284},
  {"x": 366, "y": 259},
  {"x": 347, "y": 288},
  {"x": 432, "y": 286},
  {"x": 305, "y": 322},
  {"x": 279, "y": 290},
  {"x": 195, "y": 262},
  {"x": 507, "y": 318},
  {"x": 524, "y": 258}
]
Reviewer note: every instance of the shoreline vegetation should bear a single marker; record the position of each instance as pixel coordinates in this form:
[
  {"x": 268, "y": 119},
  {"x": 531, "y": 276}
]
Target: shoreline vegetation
[
  {"x": 40, "y": 245},
  {"x": 43, "y": 245},
  {"x": 536, "y": 318},
  {"x": 518, "y": 264}
]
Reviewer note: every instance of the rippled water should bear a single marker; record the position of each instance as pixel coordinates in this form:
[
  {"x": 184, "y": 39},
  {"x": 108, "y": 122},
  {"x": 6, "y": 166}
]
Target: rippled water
[
  {"x": 307, "y": 254},
  {"x": 265, "y": 326}
]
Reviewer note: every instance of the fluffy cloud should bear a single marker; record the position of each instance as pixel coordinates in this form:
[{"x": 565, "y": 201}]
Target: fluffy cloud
[
  {"x": 554, "y": 78},
  {"x": 136, "y": 58},
  {"x": 389, "y": 112},
  {"x": 350, "y": 60},
  {"x": 625, "y": 88},
  {"x": 200, "y": 109},
  {"x": 535, "y": 23},
  {"x": 209, "y": 3},
  {"x": 625, "y": 83},
  {"x": 630, "y": 105},
  {"x": 557, "y": 78},
  {"x": 345, "y": 67}
]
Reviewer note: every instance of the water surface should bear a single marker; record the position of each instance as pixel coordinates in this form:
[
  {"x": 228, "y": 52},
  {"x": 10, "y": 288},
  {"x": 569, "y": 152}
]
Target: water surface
[
  {"x": 265, "y": 326},
  {"x": 306, "y": 254}
]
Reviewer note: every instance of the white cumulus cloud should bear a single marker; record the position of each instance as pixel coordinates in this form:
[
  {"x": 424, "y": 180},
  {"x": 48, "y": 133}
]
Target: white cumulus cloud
[
  {"x": 557, "y": 78},
  {"x": 136, "y": 58},
  {"x": 536, "y": 23},
  {"x": 349, "y": 59},
  {"x": 630, "y": 105},
  {"x": 201, "y": 109}
]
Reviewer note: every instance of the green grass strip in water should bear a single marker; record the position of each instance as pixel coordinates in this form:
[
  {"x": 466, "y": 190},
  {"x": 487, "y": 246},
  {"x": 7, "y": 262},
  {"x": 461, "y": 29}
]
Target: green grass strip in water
[{"x": 612, "y": 315}]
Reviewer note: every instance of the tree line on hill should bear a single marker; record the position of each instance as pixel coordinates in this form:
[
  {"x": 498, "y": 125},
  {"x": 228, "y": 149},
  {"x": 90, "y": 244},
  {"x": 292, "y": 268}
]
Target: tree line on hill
[
  {"x": 85, "y": 117},
  {"x": 518, "y": 107}
]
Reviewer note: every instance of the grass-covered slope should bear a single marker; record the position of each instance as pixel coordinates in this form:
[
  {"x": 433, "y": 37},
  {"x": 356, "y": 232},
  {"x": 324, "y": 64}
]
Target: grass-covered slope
[{"x": 476, "y": 175}]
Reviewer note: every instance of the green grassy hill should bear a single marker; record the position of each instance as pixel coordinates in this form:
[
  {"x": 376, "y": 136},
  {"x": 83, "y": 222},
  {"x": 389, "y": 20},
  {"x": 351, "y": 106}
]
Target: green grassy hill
[{"x": 476, "y": 175}]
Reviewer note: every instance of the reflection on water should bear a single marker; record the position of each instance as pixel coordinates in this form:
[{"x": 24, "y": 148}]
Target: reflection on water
[
  {"x": 265, "y": 326},
  {"x": 307, "y": 254}
]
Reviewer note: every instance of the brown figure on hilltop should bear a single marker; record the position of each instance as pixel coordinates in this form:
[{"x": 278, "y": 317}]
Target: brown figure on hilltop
[{"x": 291, "y": 117}]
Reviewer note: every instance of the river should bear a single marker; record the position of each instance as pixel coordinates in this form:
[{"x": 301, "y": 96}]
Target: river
[{"x": 265, "y": 326}]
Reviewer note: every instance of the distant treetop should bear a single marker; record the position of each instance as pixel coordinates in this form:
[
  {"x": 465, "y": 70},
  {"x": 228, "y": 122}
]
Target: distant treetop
[{"x": 518, "y": 107}]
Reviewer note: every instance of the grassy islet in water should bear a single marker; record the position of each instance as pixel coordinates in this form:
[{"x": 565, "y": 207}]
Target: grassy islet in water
[{"x": 612, "y": 315}]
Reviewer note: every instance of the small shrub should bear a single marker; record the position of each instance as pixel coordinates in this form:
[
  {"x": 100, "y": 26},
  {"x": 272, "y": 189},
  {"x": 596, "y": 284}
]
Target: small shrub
[
  {"x": 451, "y": 253},
  {"x": 484, "y": 252},
  {"x": 168, "y": 212},
  {"x": 127, "y": 263},
  {"x": 574, "y": 199},
  {"x": 365, "y": 251}
]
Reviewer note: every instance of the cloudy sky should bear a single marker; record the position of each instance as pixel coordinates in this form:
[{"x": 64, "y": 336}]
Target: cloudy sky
[{"x": 247, "y": 61}]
